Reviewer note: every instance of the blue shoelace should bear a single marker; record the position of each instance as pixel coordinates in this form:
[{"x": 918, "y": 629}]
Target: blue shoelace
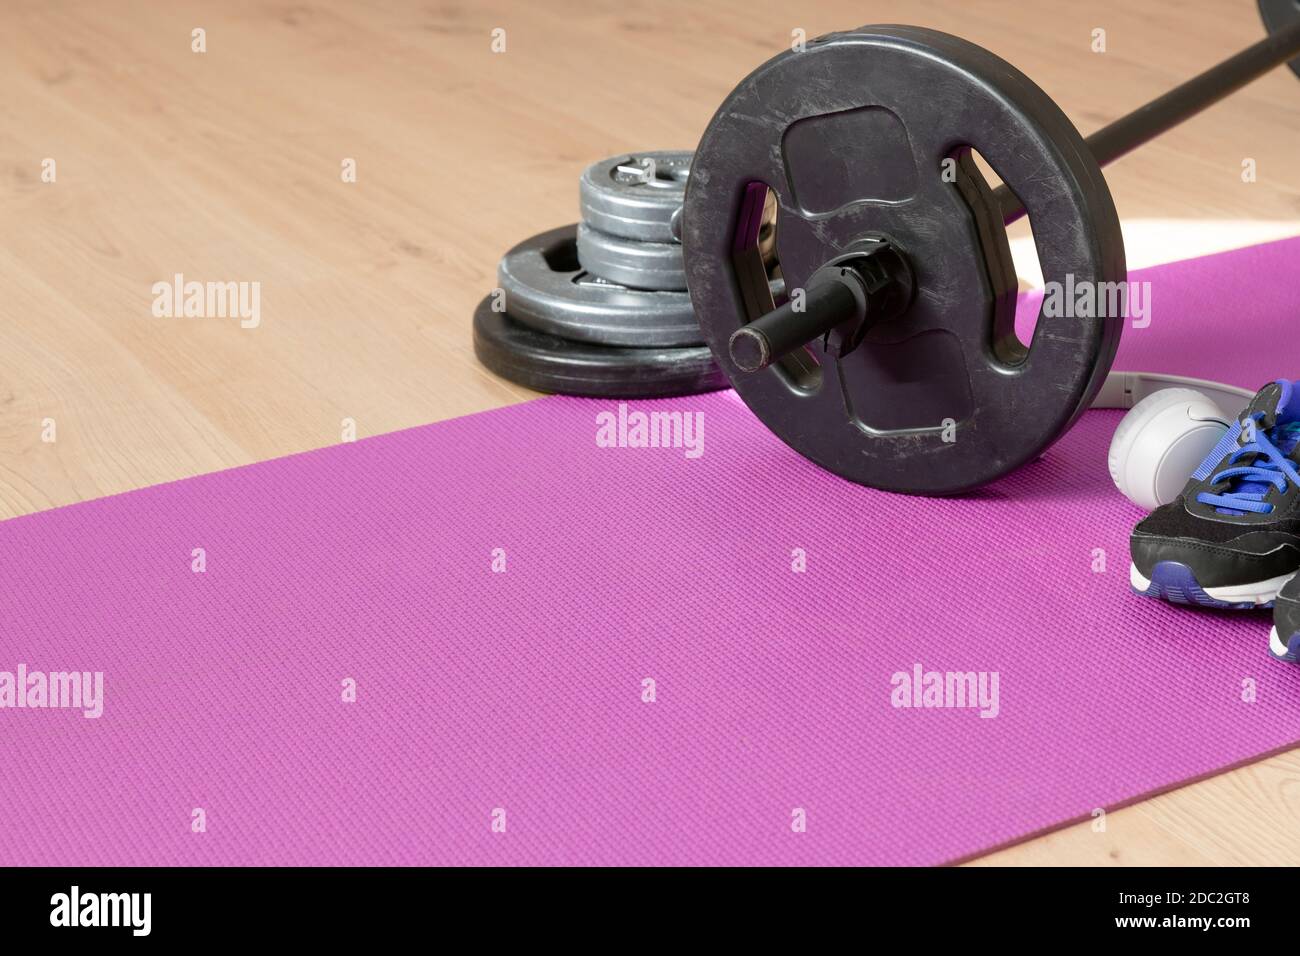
[{"x": 1249, "y": 484}]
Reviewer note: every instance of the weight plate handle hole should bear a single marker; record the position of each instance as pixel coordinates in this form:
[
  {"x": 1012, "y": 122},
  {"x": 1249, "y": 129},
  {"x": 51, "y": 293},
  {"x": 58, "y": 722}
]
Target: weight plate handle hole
[{"x": 757, "y": 268}]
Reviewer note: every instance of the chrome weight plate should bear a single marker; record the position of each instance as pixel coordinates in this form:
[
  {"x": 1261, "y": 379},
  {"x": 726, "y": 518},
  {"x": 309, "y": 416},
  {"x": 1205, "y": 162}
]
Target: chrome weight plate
[
  {"x": 636, "y": 196},
  {"x": 546, "y": 287}
]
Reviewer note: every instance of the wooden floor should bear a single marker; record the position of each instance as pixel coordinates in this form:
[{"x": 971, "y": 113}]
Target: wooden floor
[{"x": 226, "y": 164}]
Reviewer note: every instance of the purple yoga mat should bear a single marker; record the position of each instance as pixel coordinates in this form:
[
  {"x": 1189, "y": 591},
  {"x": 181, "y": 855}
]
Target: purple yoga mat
[{"x": 479, "y": 692}]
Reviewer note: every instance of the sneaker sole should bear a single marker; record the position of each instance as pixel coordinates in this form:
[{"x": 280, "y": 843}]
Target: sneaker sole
[
  {"x": 1174, "y": 582},
  {"x": 1290, "y": 651}
]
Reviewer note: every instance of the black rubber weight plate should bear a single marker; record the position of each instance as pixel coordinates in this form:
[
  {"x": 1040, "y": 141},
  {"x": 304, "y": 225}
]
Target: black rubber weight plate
[
  {"x": 852, "y": 135},
  {"x": 1278, "y": 15},
  {"x": 548, "y": 363}
]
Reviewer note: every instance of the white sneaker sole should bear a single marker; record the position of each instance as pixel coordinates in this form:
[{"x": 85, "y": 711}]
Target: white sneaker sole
[
  {"x": 1276, "y": 646},
  {"x": 1258, "y": 593}
]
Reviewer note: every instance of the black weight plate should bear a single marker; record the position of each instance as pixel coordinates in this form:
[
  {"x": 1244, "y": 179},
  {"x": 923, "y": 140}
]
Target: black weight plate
[
  {"x": 546, "y": 288},
  {"x": 851, "y": 136},
  {"x": 548, "y": 363},
  {"x": 1278, "y": 15}
]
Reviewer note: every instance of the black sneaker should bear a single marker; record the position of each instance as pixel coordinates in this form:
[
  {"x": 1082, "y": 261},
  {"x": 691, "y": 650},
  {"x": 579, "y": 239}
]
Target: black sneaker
[
  {"x": 1285, "y": 639},
  {"x": 1232, "y": 538}
]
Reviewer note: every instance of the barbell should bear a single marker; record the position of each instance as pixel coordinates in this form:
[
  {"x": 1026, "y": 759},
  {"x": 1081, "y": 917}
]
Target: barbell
[{"x": 895, "y": 362}]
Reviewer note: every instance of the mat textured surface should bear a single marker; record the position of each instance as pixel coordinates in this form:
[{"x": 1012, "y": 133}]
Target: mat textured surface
[{"x": 522, "y": 691}]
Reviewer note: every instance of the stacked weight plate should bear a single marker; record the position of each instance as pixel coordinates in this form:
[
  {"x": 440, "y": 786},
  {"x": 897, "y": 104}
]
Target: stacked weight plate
[
  {"x": 601, "y": 308},
  {"x": 631, "y": 220}
]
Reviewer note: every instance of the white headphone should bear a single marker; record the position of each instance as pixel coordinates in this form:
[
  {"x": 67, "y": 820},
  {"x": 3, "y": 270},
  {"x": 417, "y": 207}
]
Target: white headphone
[{"x": 1174, "y": 423}]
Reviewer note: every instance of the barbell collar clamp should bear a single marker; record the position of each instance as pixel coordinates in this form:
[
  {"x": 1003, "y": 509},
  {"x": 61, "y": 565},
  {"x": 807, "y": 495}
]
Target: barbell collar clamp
[{"x": 840, "y": 303}]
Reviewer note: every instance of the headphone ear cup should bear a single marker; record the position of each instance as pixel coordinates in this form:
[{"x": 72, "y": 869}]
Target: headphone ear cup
[{"x": 1160, "y": 442}]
